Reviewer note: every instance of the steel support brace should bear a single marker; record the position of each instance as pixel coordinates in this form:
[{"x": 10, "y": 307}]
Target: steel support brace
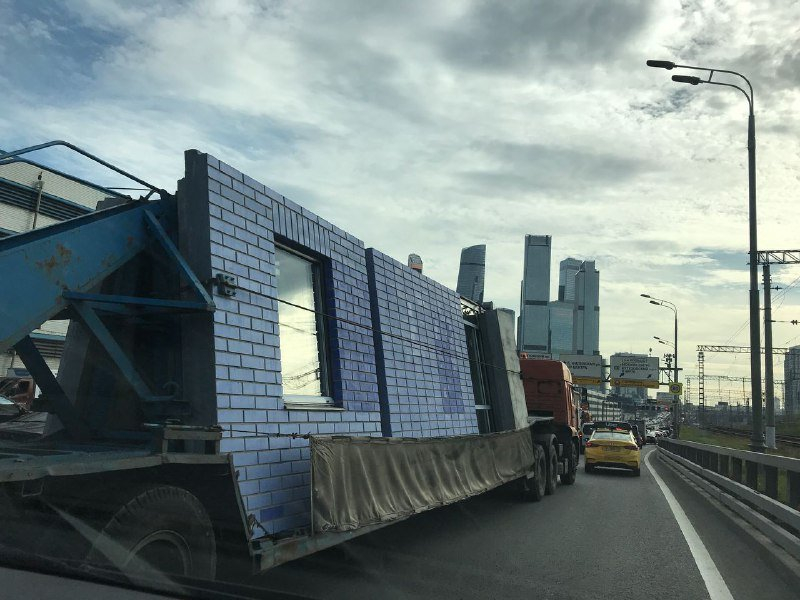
[
  {"x": 155, "y": 228},
  {"x": 794, "y": 490},
  {"x": 158, "y": 305},
  {"x": 53, "y": 392},
  {"x": 90, "y": 319},
  {"x": 771, "y": 481},
  {"x": 751, "y": 474}
]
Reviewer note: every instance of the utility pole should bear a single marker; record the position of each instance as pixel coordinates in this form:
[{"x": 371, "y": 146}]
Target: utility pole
[
  {"x": 676, "y": 416},
  {"x": 769, "y": 384}
]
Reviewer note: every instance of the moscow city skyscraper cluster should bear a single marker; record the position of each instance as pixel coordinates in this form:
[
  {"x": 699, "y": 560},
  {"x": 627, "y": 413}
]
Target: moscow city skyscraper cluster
[{"x": 569, "y": 324}]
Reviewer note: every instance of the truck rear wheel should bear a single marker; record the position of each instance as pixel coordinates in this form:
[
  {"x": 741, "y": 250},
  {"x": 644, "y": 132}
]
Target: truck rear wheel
[
  {"x": 552, "y": 471},
  {"x": 163, "y": 528},
  {"x": 568, "y": 478},
  {"x": 533, "y": 487}
]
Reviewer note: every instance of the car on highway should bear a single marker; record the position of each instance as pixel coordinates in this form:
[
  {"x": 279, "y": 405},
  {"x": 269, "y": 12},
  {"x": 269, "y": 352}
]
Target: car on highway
[
  {"x": 651, "y": 437},
  {"x": 640, "y": 441},
  {"x": 612, "y": 447},
  {"x": 587, "y": 431}
]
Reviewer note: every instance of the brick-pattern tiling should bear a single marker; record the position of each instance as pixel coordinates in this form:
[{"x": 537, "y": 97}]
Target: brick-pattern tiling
[
  {"x": 424, "y": 373},
  {"x": 274, "y": 473},
  {"x": 424, "y": 391}
]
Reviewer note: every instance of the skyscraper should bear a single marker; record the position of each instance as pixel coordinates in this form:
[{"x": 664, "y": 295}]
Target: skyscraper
[
  {"x": 586, "y": 328},
  {"x": 567, "y": 269},
  {"x": 471, "y": 272},
  {"x": 791, "y": 377},
  {"x": 561, "y": 317},
  {"x": 562, "y": 310},
  {"x": 534, "y": 316},
  {"x": 415, "y": 262}
]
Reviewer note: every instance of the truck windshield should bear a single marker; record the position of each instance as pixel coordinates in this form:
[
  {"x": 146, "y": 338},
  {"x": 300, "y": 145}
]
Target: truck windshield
[{"x": 549, "y": 387}]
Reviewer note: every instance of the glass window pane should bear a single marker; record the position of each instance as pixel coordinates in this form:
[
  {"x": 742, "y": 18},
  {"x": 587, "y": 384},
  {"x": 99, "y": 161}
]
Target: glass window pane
[{"x": 300, "y": 365}]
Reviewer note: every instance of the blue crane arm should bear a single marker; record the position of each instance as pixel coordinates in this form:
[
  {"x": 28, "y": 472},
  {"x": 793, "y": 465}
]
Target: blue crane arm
[{"x": 41, "y": 266}]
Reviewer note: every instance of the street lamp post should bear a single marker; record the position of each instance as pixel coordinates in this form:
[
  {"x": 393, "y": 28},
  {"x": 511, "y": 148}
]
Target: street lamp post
[
  {"x": 757, "y": 439},
  {"x": 676, "y": 415}
]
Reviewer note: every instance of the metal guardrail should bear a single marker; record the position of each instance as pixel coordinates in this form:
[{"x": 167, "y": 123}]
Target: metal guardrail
[
  {"x": 767, "y": 482},
  {"x": 736, "y": 478}
]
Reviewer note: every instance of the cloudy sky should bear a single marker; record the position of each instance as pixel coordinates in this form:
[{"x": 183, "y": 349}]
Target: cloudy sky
[{"x": 425, "y": 126}]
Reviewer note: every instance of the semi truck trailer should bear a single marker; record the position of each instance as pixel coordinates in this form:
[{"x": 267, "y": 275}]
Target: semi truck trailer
[{"x": 243, "y": 383}]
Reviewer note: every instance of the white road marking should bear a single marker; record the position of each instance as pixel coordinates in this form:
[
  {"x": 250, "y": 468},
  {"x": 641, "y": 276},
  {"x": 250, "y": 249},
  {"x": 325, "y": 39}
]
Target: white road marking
[{"x": 715, "y": 584}]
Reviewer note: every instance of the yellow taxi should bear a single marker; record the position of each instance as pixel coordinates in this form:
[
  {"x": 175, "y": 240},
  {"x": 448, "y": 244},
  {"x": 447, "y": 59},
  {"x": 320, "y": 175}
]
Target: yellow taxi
[{"x": 612, "y": 445}]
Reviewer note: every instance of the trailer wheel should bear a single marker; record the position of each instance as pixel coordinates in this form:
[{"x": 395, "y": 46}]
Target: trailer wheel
[
  {"x": 552, "y": 471},
  {"x": 165, "y": 528},
  {"x": 568, "y": 478},
  {"x": 533, "y": 487},
  {"x": 588, "y": 468}
]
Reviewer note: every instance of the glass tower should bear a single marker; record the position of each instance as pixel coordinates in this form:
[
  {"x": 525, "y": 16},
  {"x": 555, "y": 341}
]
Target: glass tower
[
  {"x": 586, "y": 328},
  {"x": 534, "y": 320},
  {"x": 471, "y": 273}
]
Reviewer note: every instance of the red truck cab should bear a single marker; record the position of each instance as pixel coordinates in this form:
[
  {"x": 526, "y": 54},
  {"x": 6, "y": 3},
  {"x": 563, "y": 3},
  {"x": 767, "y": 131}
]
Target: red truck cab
[
  {"x": 549, "y": 391},
  {"x": 552, "y": 406}
]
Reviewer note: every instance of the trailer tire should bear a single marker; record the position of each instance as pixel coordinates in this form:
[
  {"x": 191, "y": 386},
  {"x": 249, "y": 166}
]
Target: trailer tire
[
  {"x": 588, "y": 468},
  {"x": 533, "y": 487},
  {"x": 568, "y": 478},
  {"x": 552, "y": 471},
  {"x": 637, "y": 472},
  {"x": 163, "y": 527}
]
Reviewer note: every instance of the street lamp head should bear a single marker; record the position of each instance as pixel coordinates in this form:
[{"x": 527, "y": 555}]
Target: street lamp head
[
  {"x": 687, "y": 79},
  {"x": 654, "y": 302},
  {"x": 645, "y": 295},
  {"x": 661, "y": 64}
]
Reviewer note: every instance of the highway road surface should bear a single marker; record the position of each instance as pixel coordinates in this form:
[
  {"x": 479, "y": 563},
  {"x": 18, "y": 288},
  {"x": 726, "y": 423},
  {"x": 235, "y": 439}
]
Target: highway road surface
[{"x": 611, "y": 535}]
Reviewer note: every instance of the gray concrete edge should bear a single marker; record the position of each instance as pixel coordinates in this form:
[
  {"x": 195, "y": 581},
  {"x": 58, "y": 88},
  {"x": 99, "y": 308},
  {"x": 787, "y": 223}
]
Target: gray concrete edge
[{"x": 784, "y": 539}]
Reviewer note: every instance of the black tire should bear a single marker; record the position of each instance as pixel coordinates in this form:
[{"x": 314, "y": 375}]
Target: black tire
[
  {"x": 637, "y": 472},
  {"x": 568, "y": 478},
  {"x": 552, "y": 471},
  {"x": 162, "y": 527},
  {"x": 588, "y": 468},
  {"x": 533, "y": 488}
]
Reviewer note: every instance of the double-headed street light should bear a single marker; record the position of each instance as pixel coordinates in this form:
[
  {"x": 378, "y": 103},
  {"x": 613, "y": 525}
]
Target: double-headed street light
[
  {"x": 757, "y": 440},
  {"x": 667, "y": 304},
  {"x": 665, "y": 342}
]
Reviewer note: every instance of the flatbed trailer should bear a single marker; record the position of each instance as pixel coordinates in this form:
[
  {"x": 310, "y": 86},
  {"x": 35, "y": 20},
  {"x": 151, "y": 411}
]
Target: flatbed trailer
[{"x": 123, "y": 462}]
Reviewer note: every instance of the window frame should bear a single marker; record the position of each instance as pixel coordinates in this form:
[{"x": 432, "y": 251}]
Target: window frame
[
  {"x": 325, "y": 401},
  {"x": 480, "y": 380}
]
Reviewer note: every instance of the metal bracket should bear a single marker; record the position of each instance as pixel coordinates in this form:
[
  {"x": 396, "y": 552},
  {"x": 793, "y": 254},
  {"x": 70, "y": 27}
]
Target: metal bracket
[
  {"x": 52, "y": 391},
  {"x": 226, "y": 284}
]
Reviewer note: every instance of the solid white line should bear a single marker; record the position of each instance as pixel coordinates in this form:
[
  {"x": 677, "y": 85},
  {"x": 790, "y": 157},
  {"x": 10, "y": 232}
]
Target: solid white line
[{"x": 715, "y": 584}]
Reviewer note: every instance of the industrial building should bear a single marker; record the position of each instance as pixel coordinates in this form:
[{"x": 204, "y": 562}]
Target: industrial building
[{"x": 791, "y": 376}]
